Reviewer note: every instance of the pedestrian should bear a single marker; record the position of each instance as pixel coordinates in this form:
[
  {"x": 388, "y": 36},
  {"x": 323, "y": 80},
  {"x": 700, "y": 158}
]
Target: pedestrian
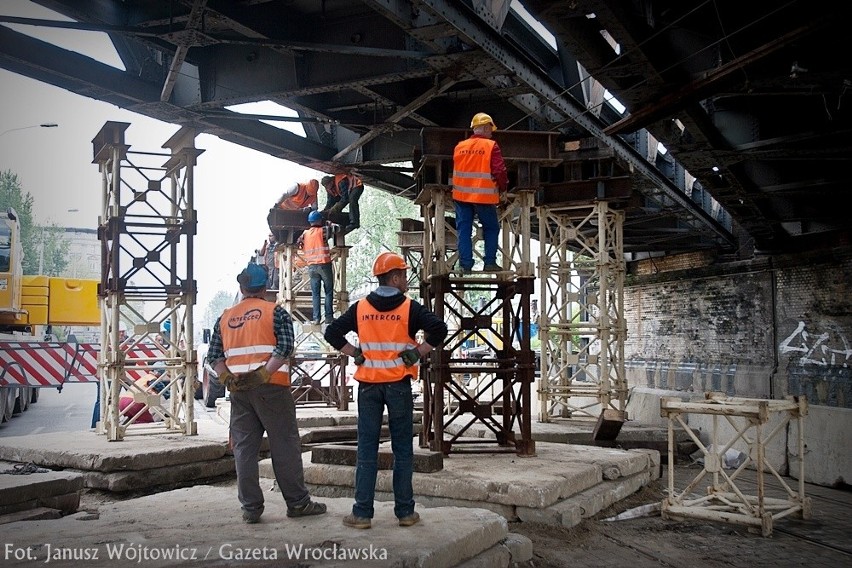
[
  {"x": 299, "y": 197},
  {"x": 249, "y": 349},
  {"x": 343, "y": 190},
  {"x": 317, "y": 254},
  {"x": 386, "y": 322},
  {"x": 479, "y": 181}
]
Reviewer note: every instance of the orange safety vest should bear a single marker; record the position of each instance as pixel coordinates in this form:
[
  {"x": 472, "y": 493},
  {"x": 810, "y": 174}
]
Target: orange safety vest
[
  {"x": 248, "y": 338},
  {"x": 314, "y": 246},
  {"x": 353, "y": 182},
  {"x": 306, "y": 194},
  {"x": 472, "y": 181},
  {"x": 382, "y": 336}
]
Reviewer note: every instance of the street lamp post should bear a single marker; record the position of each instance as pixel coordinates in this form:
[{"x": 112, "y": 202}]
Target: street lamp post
[{"x": 42, "y": 125}]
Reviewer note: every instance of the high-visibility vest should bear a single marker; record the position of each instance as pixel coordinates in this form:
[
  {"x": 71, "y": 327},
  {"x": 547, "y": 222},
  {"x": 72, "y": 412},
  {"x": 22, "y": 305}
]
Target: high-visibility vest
[
  {"x": 248, "y": 338},
  {"x": 353, "y": 182},
  {"x": 382, "y": 335},
  {"x": 314, "y": 246},
  {"x": 472, "y": 181},
  {"x": 305, "y": 195}
]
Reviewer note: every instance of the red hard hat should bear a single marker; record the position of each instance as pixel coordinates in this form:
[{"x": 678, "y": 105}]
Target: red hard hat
[{"x": 388, "y": 261}]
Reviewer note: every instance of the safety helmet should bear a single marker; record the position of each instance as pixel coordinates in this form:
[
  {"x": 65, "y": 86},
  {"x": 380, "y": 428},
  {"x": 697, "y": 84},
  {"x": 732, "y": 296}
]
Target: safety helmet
[
  {"x": 253, "y": 276},
  {"x": 327, "y": 180},
  {"x": 314, "y": 217},
  {"x": 480, "y": 119},
  {"x": 388, "y": 261}
]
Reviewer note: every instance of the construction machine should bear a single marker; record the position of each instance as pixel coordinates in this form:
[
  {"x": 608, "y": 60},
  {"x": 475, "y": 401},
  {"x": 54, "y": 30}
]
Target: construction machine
[{"x": 30, "y": 307}]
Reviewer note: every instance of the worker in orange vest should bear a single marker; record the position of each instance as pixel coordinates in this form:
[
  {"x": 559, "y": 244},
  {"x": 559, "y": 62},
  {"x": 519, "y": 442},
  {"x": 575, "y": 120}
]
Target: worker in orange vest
[
  {"x": 317, "y": 254},
  {"x": 386, "y": 322},
  {"x": 251, "y": 344},
  {"x": 342, "y": 190},
  {"x": 479, "y": 180},
  {"x": 299, "y": 197}
]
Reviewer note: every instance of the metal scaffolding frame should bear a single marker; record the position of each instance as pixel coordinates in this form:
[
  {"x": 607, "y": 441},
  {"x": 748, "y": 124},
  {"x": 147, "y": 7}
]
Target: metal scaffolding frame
[
  {"x": 581, "y": 323},
  {"x": 745, "y": 422},
  {"x": 495, "y": 390},
  {"x": 311, "y": 367},
  {"x": 146, "y": 228}
]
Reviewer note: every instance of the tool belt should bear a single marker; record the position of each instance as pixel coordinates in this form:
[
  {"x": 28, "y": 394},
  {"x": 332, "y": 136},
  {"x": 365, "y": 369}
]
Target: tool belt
[{"x": 246, "y": 381}]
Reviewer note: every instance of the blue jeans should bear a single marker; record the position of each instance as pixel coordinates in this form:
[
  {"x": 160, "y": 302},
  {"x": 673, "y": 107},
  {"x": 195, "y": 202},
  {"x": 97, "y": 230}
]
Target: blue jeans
[
  {"x": 322, "y": 276},
  {"x": 490, "y": 229},
  {"x": 372, "y": 398}
]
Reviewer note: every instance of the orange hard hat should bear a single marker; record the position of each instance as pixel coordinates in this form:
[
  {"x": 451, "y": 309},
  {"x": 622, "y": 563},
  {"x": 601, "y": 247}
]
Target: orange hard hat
[{"x": 388, "y": 261}]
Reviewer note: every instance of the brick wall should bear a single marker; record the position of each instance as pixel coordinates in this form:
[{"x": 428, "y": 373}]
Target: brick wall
[{"x": 761, "y": 329}]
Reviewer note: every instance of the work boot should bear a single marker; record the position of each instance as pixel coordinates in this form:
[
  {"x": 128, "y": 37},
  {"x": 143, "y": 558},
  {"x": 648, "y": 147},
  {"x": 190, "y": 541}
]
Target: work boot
[
  {"x": 251, "y": 517},
  {"x": 306, "y": 510},
  {"x": 409, "y": 520},
  {"x": 357, "y": 522},
  {"x": 491, "y": 267}
]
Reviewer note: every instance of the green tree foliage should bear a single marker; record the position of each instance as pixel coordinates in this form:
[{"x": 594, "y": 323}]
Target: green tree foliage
[
  {"x": 220, "y": 301},
  {"x": 43, "y": 244},
  {"x": 380, "y": 220}
]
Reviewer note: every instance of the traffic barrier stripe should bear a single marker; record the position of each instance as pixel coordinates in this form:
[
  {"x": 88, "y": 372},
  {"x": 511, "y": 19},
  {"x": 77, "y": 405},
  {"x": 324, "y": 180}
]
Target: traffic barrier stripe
[{"x": 44, "y": 364}]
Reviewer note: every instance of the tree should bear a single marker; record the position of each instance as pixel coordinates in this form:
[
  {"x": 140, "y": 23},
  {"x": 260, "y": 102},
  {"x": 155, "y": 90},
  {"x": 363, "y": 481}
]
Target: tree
[
  {"x": 380, "y": 222},
  {"x": 220, "y": 301},
  {"x": 44, "y": 247}
]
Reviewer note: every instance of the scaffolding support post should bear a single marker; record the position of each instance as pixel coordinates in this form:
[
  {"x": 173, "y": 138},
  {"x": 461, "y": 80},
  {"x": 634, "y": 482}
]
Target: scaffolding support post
[{"x": 146, "y": 228}]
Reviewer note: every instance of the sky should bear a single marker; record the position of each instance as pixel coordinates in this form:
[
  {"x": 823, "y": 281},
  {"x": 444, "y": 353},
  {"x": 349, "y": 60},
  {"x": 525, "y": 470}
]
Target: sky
[{"x": 234, "y": 186}]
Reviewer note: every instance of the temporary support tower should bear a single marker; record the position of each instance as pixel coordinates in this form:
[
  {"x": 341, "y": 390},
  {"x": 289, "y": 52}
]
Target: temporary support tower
[
  {"x": 493, "y": 391},
  {"x": 317, "y": 371},
  {"x": 146, "y": 228},
  {"x": 582, "y": 325}
]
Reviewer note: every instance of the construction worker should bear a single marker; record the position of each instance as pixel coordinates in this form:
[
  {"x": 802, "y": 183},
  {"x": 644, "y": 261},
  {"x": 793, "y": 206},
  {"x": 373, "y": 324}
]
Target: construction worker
[
  {"x": 317, "y": 254},
  {"x": 249, "y": 349},
  {"x": 479, "y": 181},
  {"x": 386, "y": 322},
  {"x": 343, "y": 190},
  {"x": 299, "y": 197}
]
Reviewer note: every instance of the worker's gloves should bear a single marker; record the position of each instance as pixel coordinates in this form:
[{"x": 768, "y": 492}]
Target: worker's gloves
[
  {"x": 410, "y": 357},
  {"x": 504, "y": 198},
  {"x": 249, "y": 380},
  {"x": 308, "y": 208},
  {"x": 333, "y": 228},
  {"x": 226, "y": 379},
  {"x": 359, "y": 356}
]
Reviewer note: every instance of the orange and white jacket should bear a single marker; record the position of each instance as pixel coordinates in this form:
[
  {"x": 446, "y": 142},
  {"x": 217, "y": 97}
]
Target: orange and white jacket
[
  {"x": 382, "y": 335},
  {"x": 472, "y": 180},
  {"x": 248, "y": 338}
]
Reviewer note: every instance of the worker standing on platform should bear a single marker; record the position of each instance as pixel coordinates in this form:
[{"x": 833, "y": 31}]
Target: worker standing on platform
[
  {"x": 317, "y": 255},
  {"x": 299, "y": 197},
  {"x": 343, "y": 190},
  {"x": 479, "y": 182},
  {"x": 386, "y": 322},
  {"x": 249, "y": 349}
]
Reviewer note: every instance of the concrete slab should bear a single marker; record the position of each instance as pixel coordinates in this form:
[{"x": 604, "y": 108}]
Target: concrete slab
[
  {"x": 425, "y": 461},
  {"x": 203, "y": 524},
  {"x": 92, "y": 452},
  {"x": 41, "y": 489},
  {"x": 505, "y": 483}
]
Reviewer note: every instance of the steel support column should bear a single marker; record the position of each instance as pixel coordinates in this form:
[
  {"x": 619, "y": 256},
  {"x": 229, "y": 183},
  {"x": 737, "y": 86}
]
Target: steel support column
[
  {"x": 147, "y": 226},
  {"x": 582, "y": 325}
]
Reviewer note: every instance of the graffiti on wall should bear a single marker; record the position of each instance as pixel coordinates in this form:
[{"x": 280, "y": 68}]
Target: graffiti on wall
[{"x": 825, "y": 349}]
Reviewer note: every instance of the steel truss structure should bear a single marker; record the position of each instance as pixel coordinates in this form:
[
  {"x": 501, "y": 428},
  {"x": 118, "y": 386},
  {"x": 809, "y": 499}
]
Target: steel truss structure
[
  {"x": 581, "y": 324},
  {"x": 755, "y": 424},
  {"x": 146, "y": 228},
  {"x": 317, "y": 372}
]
